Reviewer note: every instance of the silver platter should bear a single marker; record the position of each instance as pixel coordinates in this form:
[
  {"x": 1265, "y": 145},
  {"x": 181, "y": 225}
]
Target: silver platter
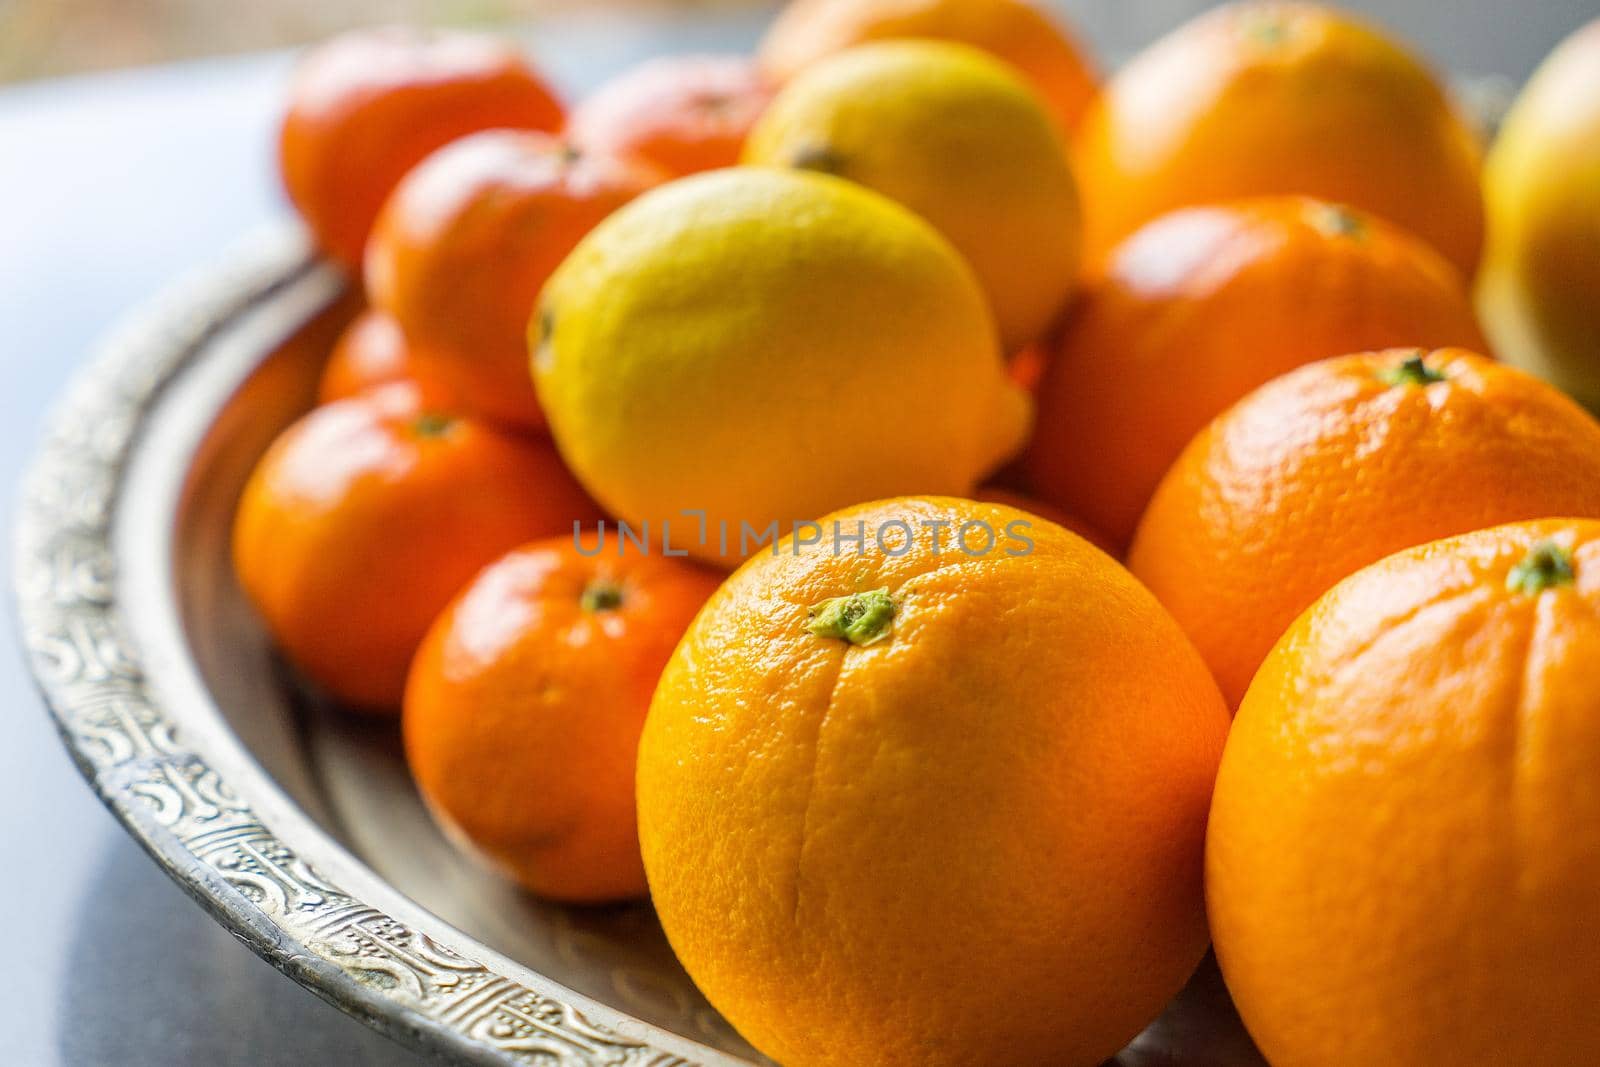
[
  {"x": 293, "y": 825},
  {"x": 253, "y": 799}
]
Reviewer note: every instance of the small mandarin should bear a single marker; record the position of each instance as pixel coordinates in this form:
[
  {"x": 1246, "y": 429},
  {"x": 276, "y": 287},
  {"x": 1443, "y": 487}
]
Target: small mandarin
[
  {"x": 464, "y": 245},
  {"x": 371, "y": 353},
  {"x": 366, "y": 107},
  {"x": 680, "y": 114},
  {"x": 525, "y": 702},
  {"x": 367, "y": 515}
]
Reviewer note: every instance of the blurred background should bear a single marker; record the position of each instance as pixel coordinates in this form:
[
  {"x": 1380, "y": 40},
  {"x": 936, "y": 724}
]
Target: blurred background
[
  {"x": 41, "y": 38},
  {"x": 45, "y": 38}
]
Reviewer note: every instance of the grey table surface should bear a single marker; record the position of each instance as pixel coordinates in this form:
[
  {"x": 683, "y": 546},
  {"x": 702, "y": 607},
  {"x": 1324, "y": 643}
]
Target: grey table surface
[{"x": 112, "y": 185}]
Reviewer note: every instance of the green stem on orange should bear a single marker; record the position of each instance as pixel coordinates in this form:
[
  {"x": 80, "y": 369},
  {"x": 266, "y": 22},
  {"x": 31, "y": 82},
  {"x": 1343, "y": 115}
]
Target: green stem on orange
[
  {"x": 1412, "y": 371},
  {"x": 601, "y": 595},
  {"x": 860, "y": 618},
  {"x": 1546, "y": 566},
  {"x": 1339, "y": 221},
  {"x": 432, "y": 424}
]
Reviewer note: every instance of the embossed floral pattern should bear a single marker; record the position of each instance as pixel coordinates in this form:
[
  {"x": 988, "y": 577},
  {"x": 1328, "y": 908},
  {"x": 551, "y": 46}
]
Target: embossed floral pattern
[{"x": 410, "y": 983}]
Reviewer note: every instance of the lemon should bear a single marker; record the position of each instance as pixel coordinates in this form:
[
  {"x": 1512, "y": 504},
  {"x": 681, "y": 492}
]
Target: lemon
[
  {"x": 748, "y": 349},
  {"x": 958, "y": 137},
  {"x": 1539, "y": 291}
]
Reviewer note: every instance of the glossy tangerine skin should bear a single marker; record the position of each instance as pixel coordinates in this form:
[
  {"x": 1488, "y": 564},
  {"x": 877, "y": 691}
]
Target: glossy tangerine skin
[
  {"x": 466, "y": 242},
  {"x": 1264, "y": 98},
  {"x": 1027, "y": 365},
  {"x": 1202, "y": 306},
  {"x": 1406, "y": 819},
  {"x": 975, "y": 841},
  {"x": 372, "y": 353},
  {"x": 524, "y": 707},
  {"x": 367, "y": 515},
  {"x": 680, "y": 114},
  {"x": 367, "y": 106},
  {"x": 1017, "y": 31},
  {"x": 1330, "y": 469}
]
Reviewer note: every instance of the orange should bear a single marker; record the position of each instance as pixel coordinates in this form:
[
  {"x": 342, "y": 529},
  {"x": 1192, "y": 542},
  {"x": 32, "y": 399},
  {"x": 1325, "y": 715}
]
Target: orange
[
  {"x": 1265, "y": 98},
  {"x": 372, "y": 352},
  {"x": 367, "y": 106},
  {"x": 939, "y": 802},
  {"x": 525, "y": 702},
  {"x": 1340, "y": 464},
  {"x": 1404, "y": 856},
  {"x": 999, "y": 494},
  {"x": 1018, "y": 31},
  {"x": 1202, "y": 306},
  {"x": 1027, "y": 366},
  {"x": 466, "y": 242},
  {"x": 681, "y": 114},
  {"x": 367, "y": 515}
]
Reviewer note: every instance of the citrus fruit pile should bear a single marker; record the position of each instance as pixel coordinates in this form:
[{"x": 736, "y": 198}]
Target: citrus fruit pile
[{"x": 964, "y": 534}]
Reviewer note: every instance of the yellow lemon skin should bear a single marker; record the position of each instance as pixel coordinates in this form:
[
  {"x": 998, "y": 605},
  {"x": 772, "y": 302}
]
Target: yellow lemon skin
[
  {"x": 1539, "y": 291},
  {"x": 959, "y": 138},
  {"x": 748, "y": 347}
]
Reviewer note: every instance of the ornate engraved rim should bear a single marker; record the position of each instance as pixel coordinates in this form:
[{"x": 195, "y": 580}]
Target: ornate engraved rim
[{"x": 181, "y": 783}]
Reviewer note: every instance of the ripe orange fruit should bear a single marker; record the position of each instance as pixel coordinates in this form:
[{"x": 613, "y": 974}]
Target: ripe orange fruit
[
  {"x": 912, "y": 806},
  {"x": 1000, "y": 494},
  {"x": 1406, "y": 821},
  {"x": 1027, "y": 366},
  {"x": 370, "y": 353},
  {"x": 466, "y": 242},
  {"x": 680, "y": 114},
  {"x": 367, "y": 106},
  {"x": 1340, "y": 464},
  {"x": 1017, "y": 31},
  {"x": 1265, "y": 98},
  {"x": 366, "y": 516},
  {"x": 524, "y": 706},
  {"x": 1202, "y": 306}
]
